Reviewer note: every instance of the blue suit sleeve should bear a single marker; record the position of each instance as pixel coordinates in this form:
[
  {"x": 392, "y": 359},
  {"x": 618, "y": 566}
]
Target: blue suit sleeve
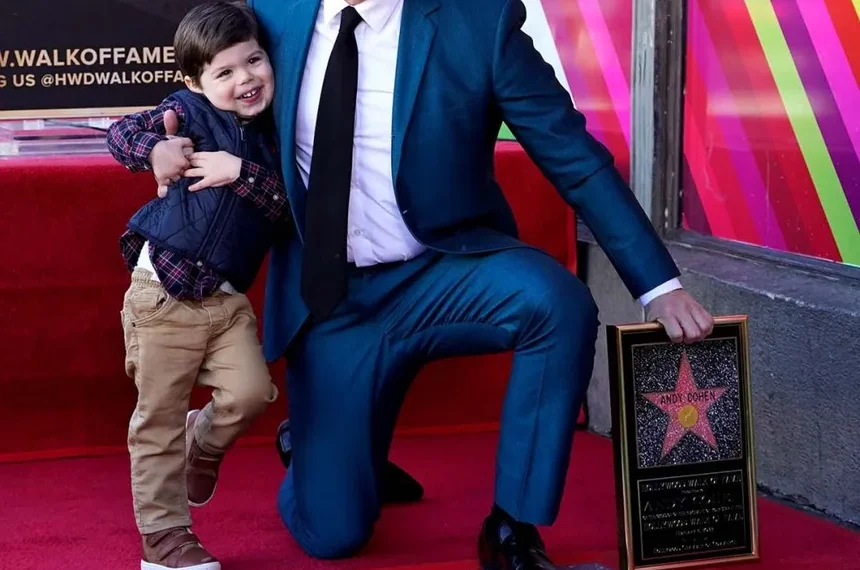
[{"x": 542, "y": 117}]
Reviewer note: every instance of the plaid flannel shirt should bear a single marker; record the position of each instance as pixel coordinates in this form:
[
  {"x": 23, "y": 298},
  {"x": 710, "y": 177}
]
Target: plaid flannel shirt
[{"x": 130, "y": 141}]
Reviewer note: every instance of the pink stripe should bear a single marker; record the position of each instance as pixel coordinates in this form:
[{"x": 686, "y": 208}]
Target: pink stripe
[
  {"x": 752, "y": 185},
  {"x": 560, "y": 24},
  {"x": 712, "y": 198},
  {"x": 613, "y": 73},
  {"x": 831, "y": 55}
]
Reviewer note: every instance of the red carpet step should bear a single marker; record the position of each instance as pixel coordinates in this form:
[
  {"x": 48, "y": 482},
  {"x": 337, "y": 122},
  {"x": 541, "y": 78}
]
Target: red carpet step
[
  {"x": 63, "y": 390},
  {"x": 76, "y": 514}
]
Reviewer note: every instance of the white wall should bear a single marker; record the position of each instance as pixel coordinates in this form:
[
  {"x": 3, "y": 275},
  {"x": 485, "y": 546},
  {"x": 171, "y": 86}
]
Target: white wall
[{"x": 538, "y": 28}]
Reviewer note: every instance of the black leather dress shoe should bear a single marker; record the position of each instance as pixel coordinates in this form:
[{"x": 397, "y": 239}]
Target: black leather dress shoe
[
  {"x": 505, "y": 544},
  {"x": 398, "y": 486}
]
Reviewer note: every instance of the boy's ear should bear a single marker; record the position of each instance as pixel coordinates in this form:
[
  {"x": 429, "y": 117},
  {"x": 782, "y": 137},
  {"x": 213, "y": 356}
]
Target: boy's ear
[{"x": 192, "y": 84}]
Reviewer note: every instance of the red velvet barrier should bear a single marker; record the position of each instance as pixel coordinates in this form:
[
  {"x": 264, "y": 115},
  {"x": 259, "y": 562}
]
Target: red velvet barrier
[{"x": 63, "y": 390}]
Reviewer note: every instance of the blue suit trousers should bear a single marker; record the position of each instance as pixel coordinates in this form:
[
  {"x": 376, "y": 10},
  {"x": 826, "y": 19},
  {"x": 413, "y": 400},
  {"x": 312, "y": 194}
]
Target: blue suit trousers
[{"x": 348, "y": 377}]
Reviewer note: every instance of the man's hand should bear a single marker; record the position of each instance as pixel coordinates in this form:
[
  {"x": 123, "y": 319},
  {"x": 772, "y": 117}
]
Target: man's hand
[
  {"x": 681, "y": 316},
  {"x": 169, "y": 158},
  {"x": 215, "y": 169}
]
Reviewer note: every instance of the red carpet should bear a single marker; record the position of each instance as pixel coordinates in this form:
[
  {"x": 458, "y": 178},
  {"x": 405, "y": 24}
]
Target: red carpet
[
  {"x": 76, "y": 514},
  {"x": 63, "y": 393}
]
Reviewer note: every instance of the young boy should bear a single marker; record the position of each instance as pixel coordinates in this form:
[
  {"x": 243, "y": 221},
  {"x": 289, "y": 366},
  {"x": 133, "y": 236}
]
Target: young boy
[{"x": 193, "y": 254}]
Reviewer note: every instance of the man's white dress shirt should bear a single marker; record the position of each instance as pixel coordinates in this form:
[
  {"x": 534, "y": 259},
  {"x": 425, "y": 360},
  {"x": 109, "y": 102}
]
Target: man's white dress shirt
[{"x": 377, "y": 232}]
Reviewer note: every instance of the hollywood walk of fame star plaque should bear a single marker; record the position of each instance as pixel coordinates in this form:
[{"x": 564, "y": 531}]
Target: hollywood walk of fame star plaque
[{"x": 683, "y": 438}]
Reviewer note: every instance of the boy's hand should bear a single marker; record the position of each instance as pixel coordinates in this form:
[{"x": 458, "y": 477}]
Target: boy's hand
[
  {"x": 171, "y": 163},
  {"x": 215, "y": 168},
  {"x": 169, "y": 160}
]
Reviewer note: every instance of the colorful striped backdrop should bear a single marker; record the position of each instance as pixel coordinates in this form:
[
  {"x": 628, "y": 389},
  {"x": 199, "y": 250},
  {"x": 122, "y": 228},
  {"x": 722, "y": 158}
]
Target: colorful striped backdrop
[
  {"x": 589, "y": 44},
  {"x": 772, "y": 124}
]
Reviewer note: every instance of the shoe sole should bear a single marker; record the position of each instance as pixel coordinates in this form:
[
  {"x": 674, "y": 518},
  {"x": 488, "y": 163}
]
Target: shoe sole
[
  {"x": 207, "y": 566},
  {"x": 204, "y": 503},
  {"x": 484, "y": 557},
  {"x": 190, "y": 502}
]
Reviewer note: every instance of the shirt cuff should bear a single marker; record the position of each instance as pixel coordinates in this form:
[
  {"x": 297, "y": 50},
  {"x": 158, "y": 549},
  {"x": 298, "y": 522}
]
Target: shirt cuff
[
  {"x": 262, "y": 187},
  {"x": 244, "y": 185},
  {"x": 143, "y": 144},
  {"x": 666, "y": 287}
]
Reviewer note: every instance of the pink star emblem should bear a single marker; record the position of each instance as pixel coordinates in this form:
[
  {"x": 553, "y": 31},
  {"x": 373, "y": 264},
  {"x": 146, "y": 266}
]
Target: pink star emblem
[{"x": 687, "y": 408}]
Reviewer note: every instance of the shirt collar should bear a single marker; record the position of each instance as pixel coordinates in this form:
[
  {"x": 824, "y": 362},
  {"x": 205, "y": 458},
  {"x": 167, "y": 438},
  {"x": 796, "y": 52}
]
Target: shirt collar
[{"x": 375, "y": 13}]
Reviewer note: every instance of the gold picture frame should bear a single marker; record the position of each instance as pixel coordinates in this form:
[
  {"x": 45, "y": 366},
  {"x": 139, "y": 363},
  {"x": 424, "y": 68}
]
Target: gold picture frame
[{"x": 684, "y": 451}]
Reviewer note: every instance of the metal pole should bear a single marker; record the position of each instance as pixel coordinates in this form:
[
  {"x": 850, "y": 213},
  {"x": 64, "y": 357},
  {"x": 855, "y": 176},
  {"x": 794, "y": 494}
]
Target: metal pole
[
  {"x": 657, "y": 108},
  {"x": 642, "y": 104}
]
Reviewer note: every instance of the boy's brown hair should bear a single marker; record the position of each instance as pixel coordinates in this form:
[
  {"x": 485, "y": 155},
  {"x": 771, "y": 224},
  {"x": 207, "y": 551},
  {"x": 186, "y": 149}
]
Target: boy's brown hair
[{"x": 208, "y": 29}]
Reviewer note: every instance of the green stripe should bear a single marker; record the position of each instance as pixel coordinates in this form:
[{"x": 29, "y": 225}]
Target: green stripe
[
  {"x": 857, "y": 7},
  {"x": 505, "y": 133},
  {"x": 806, "y": 130}
]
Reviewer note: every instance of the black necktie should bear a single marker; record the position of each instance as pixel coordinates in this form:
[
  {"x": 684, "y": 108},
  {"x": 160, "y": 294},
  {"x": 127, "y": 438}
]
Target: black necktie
[{"x": 327, "y": 207}]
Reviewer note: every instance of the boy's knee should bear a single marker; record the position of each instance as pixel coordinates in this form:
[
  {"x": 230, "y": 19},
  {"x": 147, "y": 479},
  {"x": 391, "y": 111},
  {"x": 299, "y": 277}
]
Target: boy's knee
[{"x": 251, "y": 398}]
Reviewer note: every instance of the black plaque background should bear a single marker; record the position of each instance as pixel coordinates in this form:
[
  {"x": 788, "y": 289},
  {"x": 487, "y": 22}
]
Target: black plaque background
[
  {"x": 626, "y": 443},
  {"x": 62, "y": 24},
  {"x": 709, "y": 368}
]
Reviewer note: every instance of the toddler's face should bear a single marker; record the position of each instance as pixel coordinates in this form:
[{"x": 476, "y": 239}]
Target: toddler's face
[{"x": 238, "y": 79}]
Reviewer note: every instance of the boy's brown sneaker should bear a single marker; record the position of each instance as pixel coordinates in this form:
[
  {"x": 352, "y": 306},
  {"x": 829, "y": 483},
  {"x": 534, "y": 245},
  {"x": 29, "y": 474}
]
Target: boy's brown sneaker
[
  {"x": 175, "y": 548},
  {"x": 201, "y": 468}
]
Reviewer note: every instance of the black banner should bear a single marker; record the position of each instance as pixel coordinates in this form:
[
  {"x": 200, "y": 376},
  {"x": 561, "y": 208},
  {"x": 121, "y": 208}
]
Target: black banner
[{"x": 87, "y": 57}]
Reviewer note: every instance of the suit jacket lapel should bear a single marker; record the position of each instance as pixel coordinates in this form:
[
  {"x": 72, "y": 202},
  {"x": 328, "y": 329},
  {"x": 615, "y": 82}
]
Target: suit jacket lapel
[
  {"x": 300, "y": 17},
  {"x": 417, "y": 31}
]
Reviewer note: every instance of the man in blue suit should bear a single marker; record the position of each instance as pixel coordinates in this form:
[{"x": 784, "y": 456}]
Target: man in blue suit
[{"x": 407, "y": 251}]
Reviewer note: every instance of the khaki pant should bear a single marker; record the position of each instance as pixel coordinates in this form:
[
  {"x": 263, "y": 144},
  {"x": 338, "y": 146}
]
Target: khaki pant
[{"x": 171, "y": 346}]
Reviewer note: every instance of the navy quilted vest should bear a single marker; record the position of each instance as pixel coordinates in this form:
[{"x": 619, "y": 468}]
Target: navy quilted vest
[{"x": 215, "y": 227}]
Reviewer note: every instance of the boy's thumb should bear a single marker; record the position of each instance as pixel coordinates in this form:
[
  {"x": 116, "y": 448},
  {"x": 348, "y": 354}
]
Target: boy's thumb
[{"x": 171, "y": 122}]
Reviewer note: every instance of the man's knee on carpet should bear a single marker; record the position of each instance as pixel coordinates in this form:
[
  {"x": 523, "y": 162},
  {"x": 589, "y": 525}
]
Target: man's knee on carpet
[
  {"x": 324, "y": 535},
  {"x": 339, "y": 540}
]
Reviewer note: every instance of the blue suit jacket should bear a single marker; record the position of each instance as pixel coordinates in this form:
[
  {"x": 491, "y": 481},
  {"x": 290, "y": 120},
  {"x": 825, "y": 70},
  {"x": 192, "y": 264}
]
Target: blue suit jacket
[{"x": 463, "y": 67}]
